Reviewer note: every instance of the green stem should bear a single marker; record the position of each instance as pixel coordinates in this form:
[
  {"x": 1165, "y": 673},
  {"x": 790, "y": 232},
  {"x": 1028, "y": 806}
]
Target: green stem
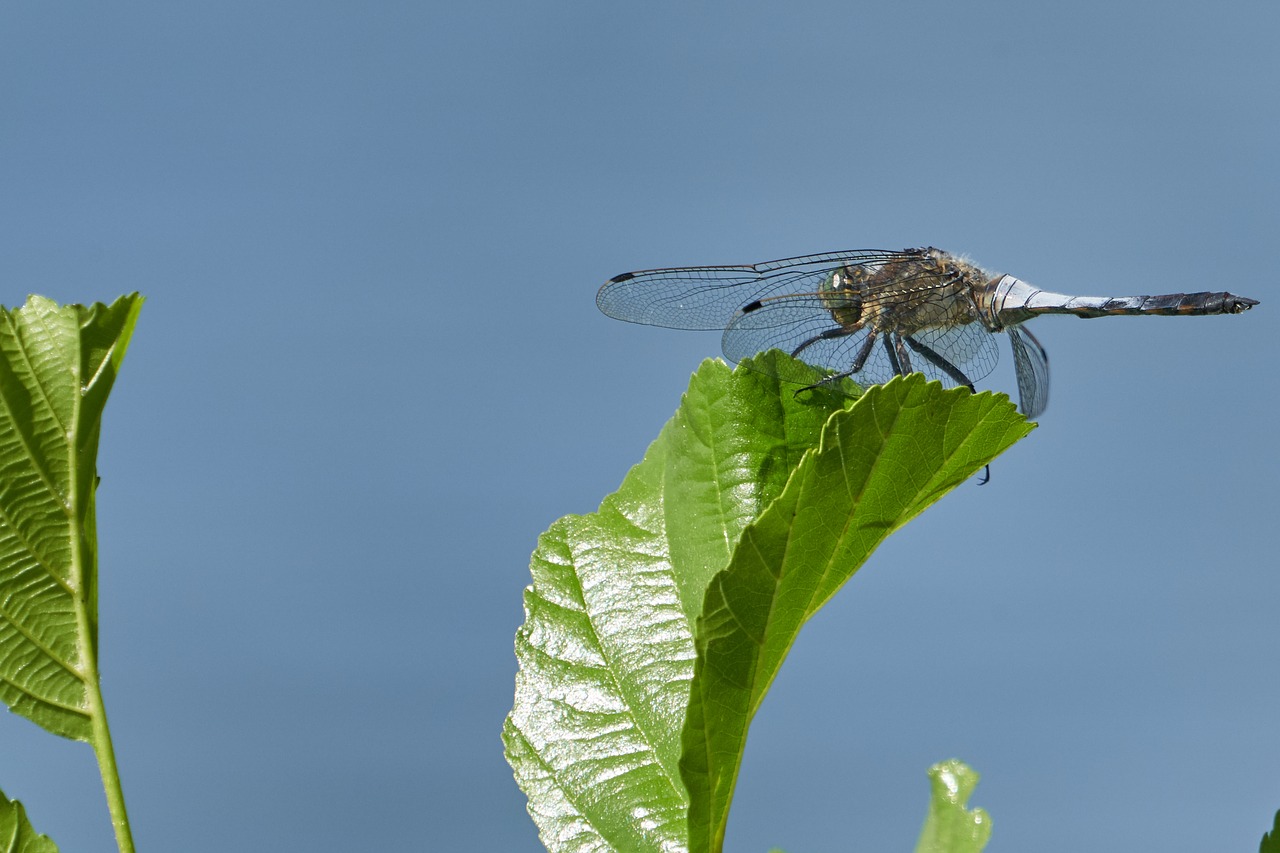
[{"x": 110, "y": 772}]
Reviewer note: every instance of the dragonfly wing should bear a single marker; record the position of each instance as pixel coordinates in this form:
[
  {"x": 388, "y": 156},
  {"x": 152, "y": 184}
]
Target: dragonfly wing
[
  {"x": 708, "y": 297},
  {"x": 802, "y": 325},
  {"x": 967, "y": 347},
  {"x": 1031, "y": 363}
]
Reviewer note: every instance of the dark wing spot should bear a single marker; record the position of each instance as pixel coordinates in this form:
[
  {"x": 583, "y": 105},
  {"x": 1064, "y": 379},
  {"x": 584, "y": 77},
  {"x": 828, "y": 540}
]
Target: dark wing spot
[
  {"x": 624, "y": 277},
  {"x": 751, "y": 306}
]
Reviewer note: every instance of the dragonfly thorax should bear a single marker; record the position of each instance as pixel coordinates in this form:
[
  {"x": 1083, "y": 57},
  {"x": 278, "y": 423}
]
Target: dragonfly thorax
[{"x": 926, "y": 289}]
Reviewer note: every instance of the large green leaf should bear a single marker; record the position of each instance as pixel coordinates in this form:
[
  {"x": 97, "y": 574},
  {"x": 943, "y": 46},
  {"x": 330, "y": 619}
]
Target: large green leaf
[
  {"x": 57, "y": 365},
  {"x": 607, "y": 649},
  {"x": 16, "y": 833},
  {"x": 878, "y": 465}
]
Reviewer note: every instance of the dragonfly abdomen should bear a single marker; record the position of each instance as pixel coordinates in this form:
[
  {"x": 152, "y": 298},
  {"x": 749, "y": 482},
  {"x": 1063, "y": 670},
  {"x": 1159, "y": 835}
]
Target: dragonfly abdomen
[
  {"x": 1169, "y": 304},
  {"x": 1015, "y": 301}
]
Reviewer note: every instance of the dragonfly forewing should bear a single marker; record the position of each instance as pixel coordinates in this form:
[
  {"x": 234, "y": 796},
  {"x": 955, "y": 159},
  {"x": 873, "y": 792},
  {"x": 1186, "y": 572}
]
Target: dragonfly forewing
[{"x": 708, "y": 297}]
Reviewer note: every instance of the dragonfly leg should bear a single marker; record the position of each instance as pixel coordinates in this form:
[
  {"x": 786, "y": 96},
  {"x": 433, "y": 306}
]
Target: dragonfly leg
[
  {"x": 893, "y": 355},
  {"x": 904, "y": 357},
  {"x": 941, "y": 363},
  {"x": 825, "y": 336},
  {"x": 859, "y": 360}
]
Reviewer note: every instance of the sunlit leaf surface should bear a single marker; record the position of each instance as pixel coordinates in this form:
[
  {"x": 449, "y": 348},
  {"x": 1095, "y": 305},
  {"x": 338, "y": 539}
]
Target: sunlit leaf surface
[
  {"x": 606, "y": 651},
  {"x": 57, "y": 365}
]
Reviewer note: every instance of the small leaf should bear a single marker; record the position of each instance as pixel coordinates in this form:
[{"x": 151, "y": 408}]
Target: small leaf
[
  {"x": 1271, "y": 840},
  {"x": 606, "y": 651},
  {"x": 950, "y": 827},
  {"x": 16, "y": 832},
  {"x": 57, "y": 365},
  {"x": 880, "y": 463}
]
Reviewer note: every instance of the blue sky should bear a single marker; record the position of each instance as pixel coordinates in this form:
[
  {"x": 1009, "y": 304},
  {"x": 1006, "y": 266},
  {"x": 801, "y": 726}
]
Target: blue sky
[{"x": 370, "y": 371}]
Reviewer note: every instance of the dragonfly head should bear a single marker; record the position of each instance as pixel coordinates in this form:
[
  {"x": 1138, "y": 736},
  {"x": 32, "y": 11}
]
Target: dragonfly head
[{"x": 841, "y": 293}]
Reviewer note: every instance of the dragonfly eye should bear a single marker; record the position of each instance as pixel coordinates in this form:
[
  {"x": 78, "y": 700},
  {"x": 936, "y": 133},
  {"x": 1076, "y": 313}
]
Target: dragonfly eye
[
  {"x": 846, "y": 308},
  {"x": 841, "y": 296}
]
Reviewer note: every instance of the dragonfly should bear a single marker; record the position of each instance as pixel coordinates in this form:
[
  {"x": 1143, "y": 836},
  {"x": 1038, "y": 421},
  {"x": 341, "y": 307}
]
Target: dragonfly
[{"x": 871, "y": 314}]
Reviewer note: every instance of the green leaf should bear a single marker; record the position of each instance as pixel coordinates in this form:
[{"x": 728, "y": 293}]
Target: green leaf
[
  {"x": 16, "y": 832},
  {"x": 57, "y": 365},
  {"x": 606, "y": 650},
  {"x": 1271, "y": 840},
  {"x": 879, "y": 464},
  {"x": 950, "y": 827}
]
